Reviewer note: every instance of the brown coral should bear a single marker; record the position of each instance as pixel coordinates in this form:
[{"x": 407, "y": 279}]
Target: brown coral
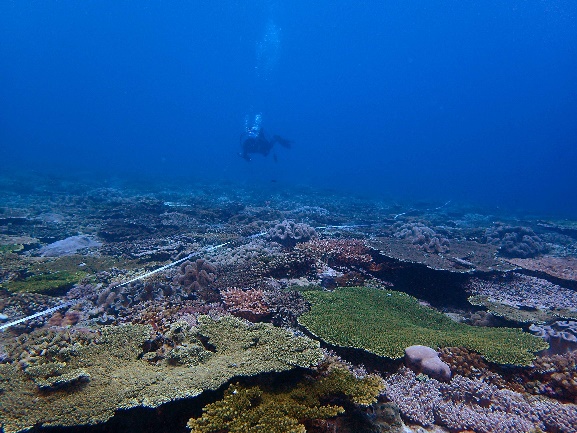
[
  {"x": 121, "y": 375},
  {"x": 197, "y": 277},
  {"x": 339, "y": 252},
  {"x": 554, "y": 376},
  {"x": 248, "y": 304}
]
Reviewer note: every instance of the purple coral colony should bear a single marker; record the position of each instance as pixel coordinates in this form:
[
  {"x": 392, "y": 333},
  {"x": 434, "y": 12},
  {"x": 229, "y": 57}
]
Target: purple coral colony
[{"x": 176, "y": 311}]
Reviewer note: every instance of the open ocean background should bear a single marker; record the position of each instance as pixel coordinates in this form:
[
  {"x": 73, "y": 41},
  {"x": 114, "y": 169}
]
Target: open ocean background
[{"x": 469, "y": 101}]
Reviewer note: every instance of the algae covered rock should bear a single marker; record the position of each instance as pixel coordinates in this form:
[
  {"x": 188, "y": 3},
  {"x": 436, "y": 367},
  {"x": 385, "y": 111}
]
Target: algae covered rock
[
  {"x": 386, "y": 322},
  {"x": 120, "y": 377},
  {"x": 48, "y": 284}
]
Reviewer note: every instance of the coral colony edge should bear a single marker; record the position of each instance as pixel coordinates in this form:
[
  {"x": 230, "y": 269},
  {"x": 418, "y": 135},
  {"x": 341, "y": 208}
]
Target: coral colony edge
[{"x": 214, "y": 309}]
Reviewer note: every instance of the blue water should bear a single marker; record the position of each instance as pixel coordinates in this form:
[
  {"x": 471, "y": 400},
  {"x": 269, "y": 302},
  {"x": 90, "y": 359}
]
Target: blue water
[{"x": 471, "y": 101}]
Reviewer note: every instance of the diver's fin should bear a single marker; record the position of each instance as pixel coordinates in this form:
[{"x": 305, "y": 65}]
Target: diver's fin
[{"x": 283, "y": 142}]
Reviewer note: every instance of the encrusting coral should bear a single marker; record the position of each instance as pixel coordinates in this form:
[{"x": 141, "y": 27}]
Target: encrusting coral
[
  {"x": 114, "y": 372},
  {"x": 253, "y": 409},
  {"x": 385, "y": 322}
]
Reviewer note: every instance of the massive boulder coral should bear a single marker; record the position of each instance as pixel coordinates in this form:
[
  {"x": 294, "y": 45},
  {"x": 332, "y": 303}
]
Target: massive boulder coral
[
  {"x": 425, "y": 360},
  {"x": 385, "y": 322},
  {"x": 118, "y": 373}
]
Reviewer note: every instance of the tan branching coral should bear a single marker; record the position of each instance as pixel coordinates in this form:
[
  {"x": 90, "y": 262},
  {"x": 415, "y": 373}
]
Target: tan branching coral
[
  {"x": 113, "y": 373},
  {"x": 252, "y": 409}
]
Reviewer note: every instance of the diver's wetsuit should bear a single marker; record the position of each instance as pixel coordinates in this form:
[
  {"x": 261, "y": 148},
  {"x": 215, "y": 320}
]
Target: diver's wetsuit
[{"x": 252, "y": 142}]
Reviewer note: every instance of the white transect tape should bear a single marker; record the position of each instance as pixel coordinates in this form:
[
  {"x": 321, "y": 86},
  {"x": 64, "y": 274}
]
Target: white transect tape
[
  {"x": 146, "y": 275},
  {"x": 140, "y": 277},
  {"x": 33, "y": 316}
]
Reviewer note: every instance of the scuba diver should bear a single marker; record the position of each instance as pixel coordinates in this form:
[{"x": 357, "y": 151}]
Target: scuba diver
[{"x": 253, "y": 140}]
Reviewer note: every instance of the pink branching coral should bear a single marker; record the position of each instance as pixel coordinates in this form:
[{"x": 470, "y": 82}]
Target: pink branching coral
[{"x": 248, "y": 304}]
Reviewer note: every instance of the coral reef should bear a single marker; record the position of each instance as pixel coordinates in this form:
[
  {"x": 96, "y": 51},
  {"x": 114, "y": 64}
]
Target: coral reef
[
  {"x": 288, "y": 233},
  {"x": 515, "y": 241},
  {"x": 291, "y": 265},
  {"x": 523, "y": 292},
  {"x": 248, "y": 304},
  {"x": 554, "y": 376},
  {"x": 198, "y": 277},
  {"x": 256, "y": 250},
  {"x": 339, "y": 252},
  {"x": 472, "y": 405},
  {"x": 122, "y": 375},
  {"x": 285, "y": 306},
  {"x": 561, "y": 335},
  {"x": 252, "y": 409},
  {"x": 471, "y": 365},
  {"x": 49, "y": 284},
  {"x": 464, "y": 255},
  {"x": 386, "y": 322},
  {"x": 421, "y": 236},
  {"x": 68, "y": 368},
  {"x": 423, "y": 359},
  {"x": 564, "y": 268},
  {"x": 68, "y": 246},
  {"x": 17, "y": 305}
]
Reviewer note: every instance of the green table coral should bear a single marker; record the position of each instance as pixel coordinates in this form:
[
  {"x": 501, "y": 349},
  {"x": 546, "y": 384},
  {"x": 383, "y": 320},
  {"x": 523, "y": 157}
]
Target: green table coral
[
  {"x": 116, "y": 374},
  {"x": 252, "y": 409},
  {"x": 386, "y": 322}
]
